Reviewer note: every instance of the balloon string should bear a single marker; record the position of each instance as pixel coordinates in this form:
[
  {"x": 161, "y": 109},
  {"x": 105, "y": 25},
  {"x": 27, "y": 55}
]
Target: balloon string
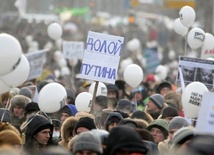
[{"x": 185, "y": 44}]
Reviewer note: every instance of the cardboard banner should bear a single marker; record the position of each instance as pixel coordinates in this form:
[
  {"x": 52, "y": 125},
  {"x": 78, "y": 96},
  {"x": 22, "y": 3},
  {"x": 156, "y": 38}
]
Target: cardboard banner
[
  {"x": 73, "y": 49},
  {"x": 194, "y": 69},
  {"x": 101, "y": 57},
  {"x": 205, "y": 120},
  {"x": 36, "y": 60}
]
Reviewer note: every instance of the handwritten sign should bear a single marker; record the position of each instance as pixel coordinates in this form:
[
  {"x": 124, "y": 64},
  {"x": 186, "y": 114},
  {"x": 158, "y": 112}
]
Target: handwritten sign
[
  {"x": 36, "y": 60},
  {"x": 73, "y": 49},
  {"x": 205, "y": 121},
  {"x": 101, "y": 57}
]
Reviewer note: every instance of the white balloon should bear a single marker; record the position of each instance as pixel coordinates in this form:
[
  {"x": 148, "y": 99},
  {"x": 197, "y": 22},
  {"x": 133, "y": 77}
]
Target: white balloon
[
  {"x": 10, "y": 53},
  {"x": 187, "y": 16},
  {"x": 133, "y": 75},
  {"x": 19, "y": 75},
  {"x": 101, "y": 89},
  {"x": 3, "y": 87},
  {"x": 54, "y": 31},
  {"x": 161, "y": 72},
  {"x": 133, "y": 45},
  {"x": 83, "y": 101},
  {"x": 208, "y": 41},
  {"x": 179, "y": 27},
  {"x": 65, "y": 71},
  {"x": 52, "y": 97},
  {"x": 191, "y": 98},
  {"x": 195, "y": 38}
]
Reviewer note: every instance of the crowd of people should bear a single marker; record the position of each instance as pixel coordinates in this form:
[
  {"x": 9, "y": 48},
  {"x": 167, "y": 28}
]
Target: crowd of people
[{"x": 142, "y": 121}]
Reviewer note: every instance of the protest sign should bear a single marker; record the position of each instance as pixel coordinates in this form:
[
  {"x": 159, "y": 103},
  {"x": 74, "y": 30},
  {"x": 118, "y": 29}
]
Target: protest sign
[
  {"x": 207, "y": 53},
  {"x": 195, "y": 69},
  {"x": 36, "y": 60},
  {"x": 73, "y": 49},
  {"x": 205, "y": 120},
  {"x": 152, "y": 60},
  {"x": 101, "y": 57}
]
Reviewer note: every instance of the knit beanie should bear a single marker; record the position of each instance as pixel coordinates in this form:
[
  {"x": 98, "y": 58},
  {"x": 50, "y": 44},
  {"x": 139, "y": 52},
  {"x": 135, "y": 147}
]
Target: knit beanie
[
  {"x": 85, "y": 122},
  {"x": 9, "y": 137},
  {"x": 31, "y": 107},
  {"x": 161, "y": 124},
  {"x": 182, "y": 135},
  {"x": 124, "y": 138},
  {"x": 158, "y": 100},
  {"x": 177, "y": 123},
  {"x": 5, "y": 115},
  {"x": 169, "y": 112},
  {"x": 69, "y": 109},
  {"x": 87, "y": 141},
  {"x": 113, "y": 117},
  {"x": 26, "y": 92}
]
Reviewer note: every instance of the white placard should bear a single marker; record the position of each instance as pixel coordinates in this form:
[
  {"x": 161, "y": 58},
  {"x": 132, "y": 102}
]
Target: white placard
[
  {"x": 206, "y": 53},
  {"x": 73, "y": 49},
  {"x": 36, "y": 60},
  {"x": 101, "y": 57},
  {"x": 205, "y": 120}
]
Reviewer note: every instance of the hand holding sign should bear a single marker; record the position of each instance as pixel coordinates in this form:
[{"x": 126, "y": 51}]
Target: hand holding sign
[
  {"x": 52, "y": 97},
  {"x": 133, "y": 75},
  {"x": 192, "y": 97}
]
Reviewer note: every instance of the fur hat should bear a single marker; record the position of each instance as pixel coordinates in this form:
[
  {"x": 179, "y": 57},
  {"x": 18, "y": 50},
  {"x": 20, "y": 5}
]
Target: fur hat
[
  {"x": 10, "y": 137},
  {"x": 124, "y": 138},
  {"x": 19, "y": 100},
  {"x": 85, "y": 122},
  {"x": 5, "y": 115},
  {"x": 158, "y": 100},
  {"x": 177, "y": 123},
  {"x": 142, "y": 115},
  {"x": 87, "y": 141},
  {"x": 161, "y": 124},
  {"x": 7, "y": 126}
]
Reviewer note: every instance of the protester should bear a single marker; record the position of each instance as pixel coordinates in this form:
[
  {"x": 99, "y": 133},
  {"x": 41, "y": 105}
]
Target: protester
[
  {"x": 67, "y": 111},
  {"x": 125, "y": 105},
  {"x": 38, "y": 134},
  {"x": 163, "y": 88},
  {"x": 112, "y": 103},
  {"x": 87, "y": 143},
  {"x": 84, "y": 124},
  {"x": 5, "y": 115},
  {"x": 169, "y": 113},
  {"x": 113, "y": 91},
  {"x": 155, "y": 105},
  {"x": 159, "y": 129},
  {"x": 112, "y": 120},
  {"x": 31, "y": 107}
]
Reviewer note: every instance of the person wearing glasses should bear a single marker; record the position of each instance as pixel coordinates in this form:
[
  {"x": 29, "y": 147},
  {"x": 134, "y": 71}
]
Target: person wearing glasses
[{"x": 38, "y": 134}]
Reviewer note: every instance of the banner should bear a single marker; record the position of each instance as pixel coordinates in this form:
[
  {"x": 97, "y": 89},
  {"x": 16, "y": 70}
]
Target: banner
[
  {"x": 152, "y": 60},
  {"x": 194, "y": 69},
  {"x": 73, "y": 49},
  {"x": 101, "y": 57},
  {"x": 36, "y": 60}
]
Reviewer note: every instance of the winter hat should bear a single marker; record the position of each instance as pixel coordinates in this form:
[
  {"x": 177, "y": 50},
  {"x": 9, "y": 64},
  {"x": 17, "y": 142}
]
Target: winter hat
[
  {"x": 85, "y": 122},
  {"x": 124, "y": 114},
  {"x": 169, "y": 112},
  {"x": 201, "y": 145},
  {"x": 31, "y": 107},
  {"x": 163, "y": 85},
  {"x": 36, "y": 123},
  {"x": 125, "y": 105},
  {"x": 113, "y": 87},
  {"x": 5, "y": 115},
  {"x": 128, "y": 122},
  {"x": 113, "y": 117},
  {"x": 10, "y": 137},
  {"x": 161, "y": 124},
  {"x": 141, "y": 115},
  {"x": 150, "y": 77},
  {"x": 102, "y": 134},
  {"x": 182, "y": 135},
  {"x": 69, "y": 109},
  {"x": 87, "y": 141},
  {"x": 124, "y": 138},
  {"x": 177, "y": 123},
  {"x": 26, "y": 92},
  {"x": 158, "y": 100},
  {"x": 19, "y": 100},
  {"x": 120, "y": 84}
]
